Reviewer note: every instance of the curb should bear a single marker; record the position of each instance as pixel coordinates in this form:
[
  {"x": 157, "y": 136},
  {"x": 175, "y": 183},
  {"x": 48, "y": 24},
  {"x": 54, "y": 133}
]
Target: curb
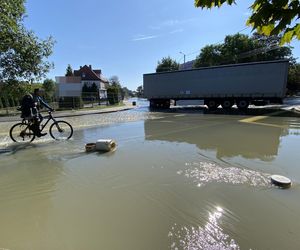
[{"x": 65, "y": 114}]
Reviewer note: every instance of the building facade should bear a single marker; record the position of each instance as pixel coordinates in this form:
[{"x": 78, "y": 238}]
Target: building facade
[{"x": 71, "y": 86}]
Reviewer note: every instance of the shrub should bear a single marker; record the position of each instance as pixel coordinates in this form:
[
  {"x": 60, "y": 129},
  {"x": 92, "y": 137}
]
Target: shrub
[
  {"x": 70, "y": 102},
  {"x": 113, "y": 95}
]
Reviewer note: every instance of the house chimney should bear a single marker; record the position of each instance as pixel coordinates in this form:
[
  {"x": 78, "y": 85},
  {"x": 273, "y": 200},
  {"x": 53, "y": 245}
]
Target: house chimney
[
  {"x": 80, "y": 67},
  {"x": 90, "y": 66}
]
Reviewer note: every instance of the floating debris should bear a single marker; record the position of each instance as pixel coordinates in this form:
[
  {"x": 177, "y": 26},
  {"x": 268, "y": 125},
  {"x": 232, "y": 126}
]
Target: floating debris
[
  {"x": 103, "y": 145},
  {"x": 281, "y": 181}
]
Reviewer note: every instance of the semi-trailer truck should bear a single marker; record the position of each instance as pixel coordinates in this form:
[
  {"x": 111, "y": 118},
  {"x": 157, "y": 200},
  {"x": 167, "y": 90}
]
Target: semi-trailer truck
[{"x": 242, "y": 84}]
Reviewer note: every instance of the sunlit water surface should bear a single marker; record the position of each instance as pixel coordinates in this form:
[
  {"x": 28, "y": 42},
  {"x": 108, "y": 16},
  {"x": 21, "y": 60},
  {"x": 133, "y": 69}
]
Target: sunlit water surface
[{"x": 177, "y": 180}]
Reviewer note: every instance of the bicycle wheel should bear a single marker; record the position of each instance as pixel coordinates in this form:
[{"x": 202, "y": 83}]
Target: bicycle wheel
[
  {"x": 20, "y": 132},
  {"x": 61, "y": 130}
]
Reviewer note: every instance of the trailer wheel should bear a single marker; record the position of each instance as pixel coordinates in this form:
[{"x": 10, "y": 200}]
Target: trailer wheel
[
  {"x": 159, "y": 103},
  {"x": 242, "y": 104},
  {"x": 166, "y": 104},
  {"x": 152, "y": 104},
  {"x": 212, "y": 104},
  {"x": 227, "y": 104}
]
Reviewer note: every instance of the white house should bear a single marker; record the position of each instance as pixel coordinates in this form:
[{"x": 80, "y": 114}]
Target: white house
[{"x": 72, "y": 85}]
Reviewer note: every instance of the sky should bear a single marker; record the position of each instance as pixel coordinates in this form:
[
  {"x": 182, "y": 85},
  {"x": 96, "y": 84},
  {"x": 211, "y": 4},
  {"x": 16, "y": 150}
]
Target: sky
[{"x": 128, "y": 38}]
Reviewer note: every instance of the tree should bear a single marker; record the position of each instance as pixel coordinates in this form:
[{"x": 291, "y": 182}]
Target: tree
[
  {"x": 210, "y": 55},
  {"x": 49, "y": 87},
  {"x": 114, "y": 81},
  {"x": 69, "y": 71},
  {"x": 167, "y": 64},
  {"x": 125, "y": 92},
  {"x": 294, "y": 78},
  {"x": 241, "y": 48},
  {"x": 15, "y": 88},
  {"x": 22, "y": 53},
  {"x": 113, "y": 95},
  {"x": 140, "y": 91},
  {"x": 269, "y": 17},
  {"x": 114, "y": 91}
]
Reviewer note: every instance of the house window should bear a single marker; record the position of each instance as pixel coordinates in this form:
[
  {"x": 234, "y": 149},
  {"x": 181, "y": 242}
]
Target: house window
[{"x": 83, "y": 74}]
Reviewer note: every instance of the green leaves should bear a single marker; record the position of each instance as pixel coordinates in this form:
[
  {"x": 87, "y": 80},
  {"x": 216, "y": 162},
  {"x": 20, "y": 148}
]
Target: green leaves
[
  {"x": 167, "y": 64},
  {"x": 269, "y": 17},
  {"x": 213, "y": 3},
  {"x": 69, "y": 71},
  {"x": 241, "y": 48},
  {"x": 22, "y": 53}
]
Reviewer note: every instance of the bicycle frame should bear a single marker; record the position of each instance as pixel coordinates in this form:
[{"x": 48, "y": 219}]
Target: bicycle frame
[{"x": 49, "y": 117}]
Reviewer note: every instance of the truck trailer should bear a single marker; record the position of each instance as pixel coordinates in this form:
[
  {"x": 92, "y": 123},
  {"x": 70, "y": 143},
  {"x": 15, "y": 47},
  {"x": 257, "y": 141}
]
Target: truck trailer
[{"x": 256, "y": 83}]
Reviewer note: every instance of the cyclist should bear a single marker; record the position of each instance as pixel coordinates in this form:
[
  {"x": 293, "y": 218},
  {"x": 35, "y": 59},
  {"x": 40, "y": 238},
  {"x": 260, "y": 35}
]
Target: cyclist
[{"x": 31, "y": 104}]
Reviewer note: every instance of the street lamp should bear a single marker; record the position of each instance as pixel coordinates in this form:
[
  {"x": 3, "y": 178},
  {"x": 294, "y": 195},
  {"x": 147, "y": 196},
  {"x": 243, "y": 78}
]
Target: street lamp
[
  {"x": 183, "y": 56},
  {"x": 183, "y": 59}
]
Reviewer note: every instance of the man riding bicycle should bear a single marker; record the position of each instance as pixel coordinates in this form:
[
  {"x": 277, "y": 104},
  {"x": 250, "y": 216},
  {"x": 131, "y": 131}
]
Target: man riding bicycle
[{"x": 30, "y": 106}]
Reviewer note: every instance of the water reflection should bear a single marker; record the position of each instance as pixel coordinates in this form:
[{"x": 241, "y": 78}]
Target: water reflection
[
  {"x": 210, "y": 237},
  {"x": 28, "y": 182},
  {"x": 225, "y": 135}
]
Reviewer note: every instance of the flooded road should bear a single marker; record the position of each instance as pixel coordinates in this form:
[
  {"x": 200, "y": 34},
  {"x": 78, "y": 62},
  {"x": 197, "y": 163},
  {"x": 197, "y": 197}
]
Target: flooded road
[{"x": 178, "y": 180}]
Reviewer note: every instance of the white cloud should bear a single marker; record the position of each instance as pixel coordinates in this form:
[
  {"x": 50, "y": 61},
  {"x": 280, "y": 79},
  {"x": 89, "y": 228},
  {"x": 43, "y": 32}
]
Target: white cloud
[
  {"x": 171, "y": 23},
  {"x": 176, "y": 31},
  {"x": 152, "y": 27},
  {"x": 143, "y": 37}
]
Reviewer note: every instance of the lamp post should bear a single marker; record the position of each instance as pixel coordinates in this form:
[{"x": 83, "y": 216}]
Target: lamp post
[{"x": 183, "y": 58}]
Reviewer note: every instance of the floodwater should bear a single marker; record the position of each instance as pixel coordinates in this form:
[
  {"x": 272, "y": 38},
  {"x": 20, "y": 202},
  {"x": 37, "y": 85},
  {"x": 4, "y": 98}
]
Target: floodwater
[{"x": 178, "y": 180}]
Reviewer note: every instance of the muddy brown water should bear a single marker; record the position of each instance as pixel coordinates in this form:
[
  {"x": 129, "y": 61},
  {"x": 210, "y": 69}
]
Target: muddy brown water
[{"x": 178, "y": 180}]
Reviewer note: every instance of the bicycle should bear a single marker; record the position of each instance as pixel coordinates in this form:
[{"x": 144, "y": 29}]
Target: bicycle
[{"x": 22, "y": 132}]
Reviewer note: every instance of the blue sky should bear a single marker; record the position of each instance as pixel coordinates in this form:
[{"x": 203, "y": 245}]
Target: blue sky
[{"x": 127, "y": 38}]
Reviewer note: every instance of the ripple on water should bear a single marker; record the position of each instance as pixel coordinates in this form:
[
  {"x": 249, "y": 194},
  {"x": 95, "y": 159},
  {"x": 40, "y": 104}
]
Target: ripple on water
[
  {"x": 209, "y": 237},
  {"x": 206, "y": 172}
]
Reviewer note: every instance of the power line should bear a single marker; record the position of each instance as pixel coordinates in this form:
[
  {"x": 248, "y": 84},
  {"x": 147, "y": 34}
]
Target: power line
[{"x": 198, "y": 51}]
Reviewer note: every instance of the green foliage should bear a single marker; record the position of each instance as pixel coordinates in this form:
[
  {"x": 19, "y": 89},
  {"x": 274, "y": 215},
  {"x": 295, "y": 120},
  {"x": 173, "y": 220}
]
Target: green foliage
[
  {"x": 1, "y": 104},
  {"x": 22, "y": 53},
  {"x": 93, "y": 88},
  {"x": 167, "y": 64},
  {"x": 17, "y": 101},
  {"x": 241, "y": 48},
  {"x": 115, "y": 82},
  {"x": 11, "y": 101},
  {"x": 15, "y": 89},
  {"x": 294, "y": 78},
  {"x": 113, "y": 95},
  {"x": 269, "y": 17},
  {"x": 140, "y": 91},
  {"x": 71, "y": 102},
  {"x": 212, "y": 3},
  {"x": 125, "y": 93},
  {"x": 90, "y": 93},
  {"x": 6, "y": 102},
  {"x": 85, "y": 88},
  {"x": 69, "y": 71},
  {"x": 49, "y": 87},
  {"x": 11, "y": 14},
  {"x": 210, "y": 55}
]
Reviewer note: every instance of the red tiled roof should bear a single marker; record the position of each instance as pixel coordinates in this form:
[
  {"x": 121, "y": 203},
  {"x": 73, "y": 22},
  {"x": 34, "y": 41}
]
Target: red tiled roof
[
  {"x": 86, "y": 73},
  {"x": 97, "y": 71}
]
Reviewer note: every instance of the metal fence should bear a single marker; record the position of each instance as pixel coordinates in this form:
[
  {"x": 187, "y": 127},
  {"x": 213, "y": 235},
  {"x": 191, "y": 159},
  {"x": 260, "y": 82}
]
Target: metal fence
[{"x": 9, "y": 105}]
